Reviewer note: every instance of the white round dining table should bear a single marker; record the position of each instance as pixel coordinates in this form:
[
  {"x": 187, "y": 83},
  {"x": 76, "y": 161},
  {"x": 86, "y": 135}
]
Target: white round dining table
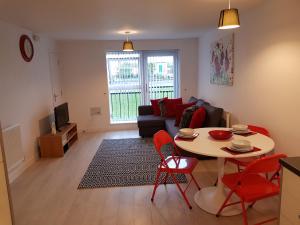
[{"x": 211, "y": 198}]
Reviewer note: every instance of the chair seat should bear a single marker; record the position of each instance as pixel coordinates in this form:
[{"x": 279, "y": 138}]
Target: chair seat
[
  {"x": 254, "y": 186},
  {"x": 186, "y": 164}
]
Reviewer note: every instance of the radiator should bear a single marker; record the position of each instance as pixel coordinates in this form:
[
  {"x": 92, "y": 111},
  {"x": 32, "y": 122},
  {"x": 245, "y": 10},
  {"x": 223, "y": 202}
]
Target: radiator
[{"x": 13, "y": 146}]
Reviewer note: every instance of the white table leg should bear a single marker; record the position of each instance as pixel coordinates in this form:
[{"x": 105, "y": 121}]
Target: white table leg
[{"x": 210, "y": 199}]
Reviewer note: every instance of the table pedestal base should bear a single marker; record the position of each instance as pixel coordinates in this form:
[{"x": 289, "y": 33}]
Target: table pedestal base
[{"x": 210, "y": 199}]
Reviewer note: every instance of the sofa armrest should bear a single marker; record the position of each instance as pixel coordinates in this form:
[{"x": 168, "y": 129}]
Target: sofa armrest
[{"x": 145, "y": 110}]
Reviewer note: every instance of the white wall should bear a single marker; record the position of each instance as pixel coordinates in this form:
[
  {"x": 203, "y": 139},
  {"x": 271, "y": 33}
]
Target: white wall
[
  {"x": 266, "y": 86},
  {"x": 83, "y": 68},
  {"x": 25, "y": 88}
]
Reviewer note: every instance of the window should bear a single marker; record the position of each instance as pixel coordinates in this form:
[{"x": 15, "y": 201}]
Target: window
[{"x": 135, "y": 78}]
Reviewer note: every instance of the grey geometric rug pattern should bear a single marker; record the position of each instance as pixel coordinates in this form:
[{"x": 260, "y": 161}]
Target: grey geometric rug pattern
[{"x": 125, "y": 162}]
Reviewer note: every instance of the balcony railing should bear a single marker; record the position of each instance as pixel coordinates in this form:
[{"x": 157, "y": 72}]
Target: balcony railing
[{"x": 124, "y": 104}]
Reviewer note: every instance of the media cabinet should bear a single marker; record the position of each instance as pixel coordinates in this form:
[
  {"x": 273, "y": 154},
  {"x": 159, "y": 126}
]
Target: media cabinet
[{"x": 56, "y": 145}]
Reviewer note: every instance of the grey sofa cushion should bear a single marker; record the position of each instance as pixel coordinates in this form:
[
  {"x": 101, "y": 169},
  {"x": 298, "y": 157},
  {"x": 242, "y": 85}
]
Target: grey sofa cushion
[
  {"x": 171, "y": 128},
  {"x": 201, "y": 102},
  {"x": 192, "y": 99},
  {"x": 213, "y": 116},
  {"x": 150, "y": 121},
  {"x": 187, "y": 116}
]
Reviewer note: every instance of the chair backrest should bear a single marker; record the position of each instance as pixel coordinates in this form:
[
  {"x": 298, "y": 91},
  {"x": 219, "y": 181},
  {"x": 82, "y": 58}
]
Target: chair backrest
[
  {"x": 267, "y": 164},
  {"x": 160, "y": 139},
  {"x": 260, "y": 130}
]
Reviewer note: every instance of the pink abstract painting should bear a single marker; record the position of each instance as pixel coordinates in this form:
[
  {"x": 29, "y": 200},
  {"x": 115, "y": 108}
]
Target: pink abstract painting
[{"x": 221, "y": 62}]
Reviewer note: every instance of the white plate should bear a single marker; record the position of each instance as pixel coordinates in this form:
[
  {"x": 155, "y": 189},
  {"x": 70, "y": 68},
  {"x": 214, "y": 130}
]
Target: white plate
[
  {"x": 241, "y": 131},
  {"x": 247, "y": 149},
  {"x": 184, "y": 136},
  {"x": 240, "y": 127}
]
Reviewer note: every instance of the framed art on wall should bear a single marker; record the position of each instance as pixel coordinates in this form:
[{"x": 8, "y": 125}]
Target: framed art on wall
[{"x": 222, "y": 61}]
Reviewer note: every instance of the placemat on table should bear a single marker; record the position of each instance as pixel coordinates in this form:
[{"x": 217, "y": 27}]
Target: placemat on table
[
  {"x": 226, "y": 149},
  {"x": 246, "y": 134},
  {"x": 177, "y": 138}
]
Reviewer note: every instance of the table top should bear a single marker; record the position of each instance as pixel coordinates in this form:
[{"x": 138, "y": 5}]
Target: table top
[{"x": 205, "y": 145}]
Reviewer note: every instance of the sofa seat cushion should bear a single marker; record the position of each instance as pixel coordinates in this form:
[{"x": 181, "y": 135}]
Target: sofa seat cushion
[
  {"x": 151, "y": 121},
  {"x": 171, "y": 128}
]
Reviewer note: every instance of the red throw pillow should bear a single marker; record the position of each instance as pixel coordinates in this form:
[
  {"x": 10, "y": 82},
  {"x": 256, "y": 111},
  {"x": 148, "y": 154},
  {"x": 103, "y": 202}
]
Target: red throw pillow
[
  {"x": 198, "y": 118},
  {"x": 155, "y": 106},
  {"x": 170, "y": 105},
  {"x": 179, "y": 111}
]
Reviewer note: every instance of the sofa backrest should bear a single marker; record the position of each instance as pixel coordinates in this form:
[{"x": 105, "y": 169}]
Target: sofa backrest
[{"x": 215, "y": 117}]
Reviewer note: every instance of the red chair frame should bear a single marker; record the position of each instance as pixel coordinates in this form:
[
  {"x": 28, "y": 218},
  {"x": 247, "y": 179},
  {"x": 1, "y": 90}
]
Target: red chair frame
[
  {"x": 240, "y": 163},
  {"x": 250, "y": 186},
  {"x": 174, "y": 164}
]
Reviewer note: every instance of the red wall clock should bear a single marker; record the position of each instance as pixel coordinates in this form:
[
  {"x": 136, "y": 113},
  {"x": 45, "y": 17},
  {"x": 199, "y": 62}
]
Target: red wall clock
[{"x": 26, "y": 48}]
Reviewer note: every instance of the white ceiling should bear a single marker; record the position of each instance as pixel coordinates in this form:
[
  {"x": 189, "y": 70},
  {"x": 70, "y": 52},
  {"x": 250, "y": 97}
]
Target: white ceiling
[{"x": 103, "y": 19}]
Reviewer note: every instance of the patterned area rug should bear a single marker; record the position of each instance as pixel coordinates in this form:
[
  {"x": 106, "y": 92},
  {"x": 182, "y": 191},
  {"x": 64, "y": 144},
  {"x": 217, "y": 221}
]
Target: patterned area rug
[{"x": 124, "y": 162}]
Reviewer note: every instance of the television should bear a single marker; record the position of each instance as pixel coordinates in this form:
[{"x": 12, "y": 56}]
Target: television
[{"x": 61, "y": 114}]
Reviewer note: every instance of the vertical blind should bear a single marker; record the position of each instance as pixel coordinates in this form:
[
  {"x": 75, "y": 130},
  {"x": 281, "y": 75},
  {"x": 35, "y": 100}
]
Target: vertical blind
[
  {"x": 124, "y": 84},
  {"x": 136, "y": 77}
]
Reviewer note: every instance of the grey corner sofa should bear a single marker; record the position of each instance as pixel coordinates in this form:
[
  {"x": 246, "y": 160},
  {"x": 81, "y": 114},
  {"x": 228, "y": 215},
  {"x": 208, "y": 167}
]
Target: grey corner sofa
[{"x": 149, "y": 124}]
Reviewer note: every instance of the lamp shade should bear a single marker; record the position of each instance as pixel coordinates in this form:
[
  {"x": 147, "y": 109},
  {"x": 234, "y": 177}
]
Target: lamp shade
[
  {"x": 128, "y": 46},
  {"x": 229, "y": 19}
]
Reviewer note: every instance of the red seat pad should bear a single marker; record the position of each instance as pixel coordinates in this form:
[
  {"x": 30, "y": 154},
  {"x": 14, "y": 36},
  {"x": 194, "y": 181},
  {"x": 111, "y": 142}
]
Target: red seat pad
[
  {"x": 186, "y": 164},
  {"x": 253, "y": 186}
]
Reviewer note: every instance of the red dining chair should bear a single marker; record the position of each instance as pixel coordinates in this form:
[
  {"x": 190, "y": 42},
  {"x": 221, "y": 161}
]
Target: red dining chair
[
  {"x": 174, "y": 164},
  {"x": 242, "y": 163},
  {"x": 250, "y": 186}
]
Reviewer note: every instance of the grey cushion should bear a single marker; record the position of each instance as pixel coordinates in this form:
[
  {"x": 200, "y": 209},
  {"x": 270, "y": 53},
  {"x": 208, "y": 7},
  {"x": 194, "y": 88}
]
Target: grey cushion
[
  {"x": 192, "y": 99},
  {"x": 162, "y": 107},
  {"x": 171, "y": 128},
  {"x": 201, "y": 102},
  {"x": 213, "y": 116},
  {"x": 151, "y": 121},
  {"x": 187, "y": 116}
]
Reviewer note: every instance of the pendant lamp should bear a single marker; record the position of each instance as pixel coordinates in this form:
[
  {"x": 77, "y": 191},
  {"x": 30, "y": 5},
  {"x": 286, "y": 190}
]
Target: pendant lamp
[
  {"x": 229, "y": 18},
  {"x": 127, "y": 45}
]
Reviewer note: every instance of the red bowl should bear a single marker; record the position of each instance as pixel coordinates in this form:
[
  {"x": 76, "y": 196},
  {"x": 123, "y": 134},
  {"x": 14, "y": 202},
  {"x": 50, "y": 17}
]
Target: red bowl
[{"x": 220, "y": 134}]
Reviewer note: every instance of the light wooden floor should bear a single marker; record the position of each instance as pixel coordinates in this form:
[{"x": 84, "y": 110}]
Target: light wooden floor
[{"x": 47, "y": 194}]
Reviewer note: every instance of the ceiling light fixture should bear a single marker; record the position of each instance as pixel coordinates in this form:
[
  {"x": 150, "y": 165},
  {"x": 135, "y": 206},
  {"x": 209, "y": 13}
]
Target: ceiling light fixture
[
  {"x": 229, "y": 18},
  {"x": 127, "y": 45}
]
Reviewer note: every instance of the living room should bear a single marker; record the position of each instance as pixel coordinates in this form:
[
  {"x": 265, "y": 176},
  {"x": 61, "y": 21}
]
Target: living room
[{"x": 70, "y": 42}]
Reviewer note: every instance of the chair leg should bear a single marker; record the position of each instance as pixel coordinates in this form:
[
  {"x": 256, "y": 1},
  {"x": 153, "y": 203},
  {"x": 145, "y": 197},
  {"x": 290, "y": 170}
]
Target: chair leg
[
  {"x": 244, "y": 213},
  {"x": 156, "y": 184},
  {"x": 181, "y": 191},
  {"x": 252, "y": 204},
  {"x": 193, "y": 178},
  {"x": 224, "y": 204},
  {"x": 166, "y": 178}
]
